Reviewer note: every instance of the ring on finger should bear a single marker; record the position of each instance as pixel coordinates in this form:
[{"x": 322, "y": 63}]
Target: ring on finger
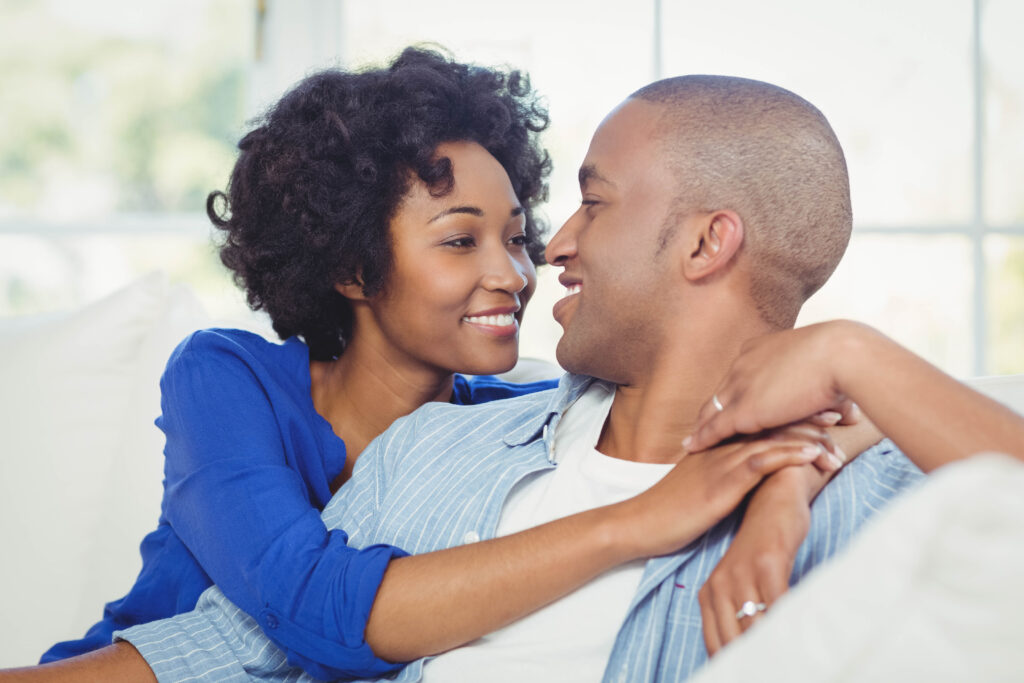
[{"x": 750, "y": 608}]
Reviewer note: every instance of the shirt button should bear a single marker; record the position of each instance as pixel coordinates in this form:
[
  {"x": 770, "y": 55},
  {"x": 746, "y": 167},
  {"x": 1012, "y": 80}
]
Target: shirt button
[
  {"x": 471, "y": 537},
  {"x": 271, "y": 621}
]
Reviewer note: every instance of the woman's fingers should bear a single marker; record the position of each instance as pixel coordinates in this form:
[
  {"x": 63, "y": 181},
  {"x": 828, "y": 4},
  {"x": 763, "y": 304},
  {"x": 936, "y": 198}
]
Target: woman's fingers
[{"x": 712, "y": 639}]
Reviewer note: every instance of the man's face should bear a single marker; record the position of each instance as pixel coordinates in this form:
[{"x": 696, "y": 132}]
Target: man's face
[{"x": 609, "y": 248}]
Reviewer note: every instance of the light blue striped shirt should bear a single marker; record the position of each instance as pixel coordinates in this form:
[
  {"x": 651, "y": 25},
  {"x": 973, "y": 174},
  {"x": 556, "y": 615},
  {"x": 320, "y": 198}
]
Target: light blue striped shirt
[{"x": 439, "y": 478}]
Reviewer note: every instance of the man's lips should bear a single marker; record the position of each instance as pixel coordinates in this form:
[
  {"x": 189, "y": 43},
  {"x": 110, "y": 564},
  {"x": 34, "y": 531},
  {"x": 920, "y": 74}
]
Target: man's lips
[{"x": 572, "y": 288}]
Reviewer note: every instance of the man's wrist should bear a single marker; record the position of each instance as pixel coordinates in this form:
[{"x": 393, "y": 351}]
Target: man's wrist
[{"x": 853, "y": 344}]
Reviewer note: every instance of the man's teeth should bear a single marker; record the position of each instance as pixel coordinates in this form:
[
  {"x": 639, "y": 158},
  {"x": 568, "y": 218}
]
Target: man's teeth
[
  {"x": 573, "y": 289},
  {"x": 502, "y": 320}
]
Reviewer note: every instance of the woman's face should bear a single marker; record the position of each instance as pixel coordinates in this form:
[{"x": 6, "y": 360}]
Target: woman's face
[{"x": 461, "y": 275}]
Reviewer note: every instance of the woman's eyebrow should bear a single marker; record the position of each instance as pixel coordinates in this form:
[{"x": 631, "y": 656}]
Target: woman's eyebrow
[{"x": 472, "y": 211}]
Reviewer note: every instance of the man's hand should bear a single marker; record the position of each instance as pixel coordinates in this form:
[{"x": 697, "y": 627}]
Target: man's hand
[{"x": 776, "y": 380}]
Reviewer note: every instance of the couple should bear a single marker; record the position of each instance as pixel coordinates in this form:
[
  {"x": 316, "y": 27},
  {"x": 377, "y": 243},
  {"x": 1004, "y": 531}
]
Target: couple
[{"x": 711, "y": 209}]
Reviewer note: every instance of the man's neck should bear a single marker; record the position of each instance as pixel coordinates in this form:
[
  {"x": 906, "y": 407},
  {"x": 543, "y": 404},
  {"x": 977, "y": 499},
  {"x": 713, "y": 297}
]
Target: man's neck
[{"x": 657, "y": 409}]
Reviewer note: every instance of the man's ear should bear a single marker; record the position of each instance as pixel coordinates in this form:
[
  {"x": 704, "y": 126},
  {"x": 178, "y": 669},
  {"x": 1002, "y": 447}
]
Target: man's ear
[
  {"x": 714, "y": 240},
  {"x": 353, "y": 291}
]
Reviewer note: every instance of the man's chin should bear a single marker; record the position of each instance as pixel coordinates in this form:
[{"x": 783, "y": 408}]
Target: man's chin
[{"x": 569, "y": 357}]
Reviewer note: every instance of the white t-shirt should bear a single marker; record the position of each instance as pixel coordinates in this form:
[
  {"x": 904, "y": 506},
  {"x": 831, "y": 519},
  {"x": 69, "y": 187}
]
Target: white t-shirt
[{"x": 571, "y": 639}]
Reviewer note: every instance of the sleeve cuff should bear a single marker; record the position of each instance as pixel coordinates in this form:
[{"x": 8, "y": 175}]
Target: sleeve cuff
[{"x": 344, "y": 652}]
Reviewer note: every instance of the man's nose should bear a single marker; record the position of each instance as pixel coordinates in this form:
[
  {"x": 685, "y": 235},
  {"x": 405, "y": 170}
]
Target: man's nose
[{"x": 562, "y": 245}]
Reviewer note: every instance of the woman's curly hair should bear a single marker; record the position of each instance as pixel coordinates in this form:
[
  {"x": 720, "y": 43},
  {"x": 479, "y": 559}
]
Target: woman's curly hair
[{"x": 320, "y": 177}]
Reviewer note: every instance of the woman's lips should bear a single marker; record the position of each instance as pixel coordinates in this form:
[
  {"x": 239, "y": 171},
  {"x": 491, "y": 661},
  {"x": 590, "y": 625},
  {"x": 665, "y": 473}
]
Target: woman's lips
[{"x": 497, "y": 322}]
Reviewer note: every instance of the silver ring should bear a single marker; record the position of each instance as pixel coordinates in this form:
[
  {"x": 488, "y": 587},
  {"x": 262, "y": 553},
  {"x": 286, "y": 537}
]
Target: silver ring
[
  {"x": 750, "y": 608},
  {"x": 716, "y": 403}
]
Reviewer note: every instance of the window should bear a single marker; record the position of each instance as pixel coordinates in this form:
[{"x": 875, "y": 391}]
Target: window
[
  {"x": 927, "y": 99},
  {"x": 119, "y": 118}
]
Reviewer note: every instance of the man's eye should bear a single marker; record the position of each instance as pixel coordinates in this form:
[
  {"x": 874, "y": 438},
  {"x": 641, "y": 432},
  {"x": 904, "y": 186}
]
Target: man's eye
[{"x": 589, "y": 202}]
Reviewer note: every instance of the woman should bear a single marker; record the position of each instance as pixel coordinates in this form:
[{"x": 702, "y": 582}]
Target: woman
[
  {"x": 386, "y": 219},
  {"x": 385, "y": 273}
]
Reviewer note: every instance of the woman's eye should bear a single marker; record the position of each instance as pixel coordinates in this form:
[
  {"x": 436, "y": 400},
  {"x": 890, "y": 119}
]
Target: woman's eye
[
  {"x": 519, "y": 240},
  {"x": 460, "y": 242}
]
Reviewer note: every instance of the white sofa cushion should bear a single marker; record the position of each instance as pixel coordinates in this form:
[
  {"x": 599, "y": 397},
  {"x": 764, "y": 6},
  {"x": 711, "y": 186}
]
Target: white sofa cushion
[
  {"x": 929, "y": 591},
  {"x": 81, "y": 458}
]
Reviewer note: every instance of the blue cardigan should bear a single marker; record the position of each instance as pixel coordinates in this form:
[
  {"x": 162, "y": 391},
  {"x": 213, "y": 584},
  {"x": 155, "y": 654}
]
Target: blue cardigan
[{"x": 248, "y": 468}]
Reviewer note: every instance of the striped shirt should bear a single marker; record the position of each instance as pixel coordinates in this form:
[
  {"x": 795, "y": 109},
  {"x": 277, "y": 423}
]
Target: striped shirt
[{"x": 439, "y": 478}]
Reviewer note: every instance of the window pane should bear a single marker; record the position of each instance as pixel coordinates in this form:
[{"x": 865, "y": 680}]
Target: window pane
[
  {"x": 118, "y": 105},
  {"x": 917, "y": 290},
  {"x": 1003, "y": 57},
  {"x": 1005, "y": 260},
  {"x": 894, "y": 79},
  {"x": 45, "y": 273}
]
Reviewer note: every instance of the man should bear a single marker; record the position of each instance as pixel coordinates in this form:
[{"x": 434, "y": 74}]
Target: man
[{"x": 711, "y": 209}]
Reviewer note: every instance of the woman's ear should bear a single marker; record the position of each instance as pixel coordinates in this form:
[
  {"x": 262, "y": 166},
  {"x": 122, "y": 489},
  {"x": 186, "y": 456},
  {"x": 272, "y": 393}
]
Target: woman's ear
[
  {"x": 715, "y": 238},
  {"x": 353, "y": 291}
]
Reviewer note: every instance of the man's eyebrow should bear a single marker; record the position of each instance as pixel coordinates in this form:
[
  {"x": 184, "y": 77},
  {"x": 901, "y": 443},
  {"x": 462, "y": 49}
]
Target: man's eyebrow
[
  {"x": 472, "y": 211},
  {"x": 589, "y": 172}
]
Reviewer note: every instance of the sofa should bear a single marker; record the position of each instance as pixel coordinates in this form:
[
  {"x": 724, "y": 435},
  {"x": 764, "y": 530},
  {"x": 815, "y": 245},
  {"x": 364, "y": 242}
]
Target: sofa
[{"x": 81, "y": 464}]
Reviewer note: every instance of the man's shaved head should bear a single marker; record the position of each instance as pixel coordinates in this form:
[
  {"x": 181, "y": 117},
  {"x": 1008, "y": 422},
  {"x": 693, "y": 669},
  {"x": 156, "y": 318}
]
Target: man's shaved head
[{"x": 770, "y": 156}]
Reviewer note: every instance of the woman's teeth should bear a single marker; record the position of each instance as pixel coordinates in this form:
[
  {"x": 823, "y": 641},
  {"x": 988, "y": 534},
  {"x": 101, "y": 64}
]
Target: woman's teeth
[{"x": 502, "y": 320}]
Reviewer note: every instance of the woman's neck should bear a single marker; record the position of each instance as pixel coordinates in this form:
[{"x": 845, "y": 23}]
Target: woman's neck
[{"x": 362, "y": 392}]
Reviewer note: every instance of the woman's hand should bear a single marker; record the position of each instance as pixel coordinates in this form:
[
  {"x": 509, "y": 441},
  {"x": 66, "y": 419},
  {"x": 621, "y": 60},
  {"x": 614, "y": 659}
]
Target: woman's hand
[
  {"x": 705, "y": 487},
  {"x": 757, "y": 566},
  {"x": 759, "y": 561}
]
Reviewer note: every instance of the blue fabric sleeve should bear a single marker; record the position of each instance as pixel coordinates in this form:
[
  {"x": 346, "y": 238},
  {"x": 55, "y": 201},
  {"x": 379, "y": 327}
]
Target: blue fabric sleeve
[
  {"x": 248, "y": 518},
  {"x": 217, "y": 641},
  {"x": 474, "y": 389}
]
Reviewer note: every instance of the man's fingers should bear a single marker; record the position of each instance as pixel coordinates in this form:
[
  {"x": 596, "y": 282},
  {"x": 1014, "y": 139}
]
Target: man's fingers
[
  {"x": 763, "y": 458},
  {"x": 830, "y": 459},
  {"x": 711, "y": 428},
  {"x": 850, "y": 412}
]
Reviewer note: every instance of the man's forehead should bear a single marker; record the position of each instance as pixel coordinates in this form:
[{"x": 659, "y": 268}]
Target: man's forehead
[{"x": 627, "y": 136}]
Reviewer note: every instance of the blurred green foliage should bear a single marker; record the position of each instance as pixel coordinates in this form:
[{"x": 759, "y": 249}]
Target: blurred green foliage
[{"x": 120, "y": 114}]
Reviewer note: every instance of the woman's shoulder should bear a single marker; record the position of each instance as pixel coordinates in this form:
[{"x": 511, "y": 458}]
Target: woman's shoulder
[
  {"x": 220, "y": 344},
  {"x": 220, "y": 353},
  {"x": 476, "y": 389}
]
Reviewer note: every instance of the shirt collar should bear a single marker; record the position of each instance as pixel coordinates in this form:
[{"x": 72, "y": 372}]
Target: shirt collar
[{"x": 570, "y": 387}]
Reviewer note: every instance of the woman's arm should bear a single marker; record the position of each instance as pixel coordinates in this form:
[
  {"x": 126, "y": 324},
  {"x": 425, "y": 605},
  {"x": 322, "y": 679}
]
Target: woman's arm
[
  {"x": 243, "y": 502},
  {"x": 786, "y": 376},
  {"x": 430, "y": 603},
  {"x": 118, "y": 663},
  {"x": 758, "y": 564}
]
